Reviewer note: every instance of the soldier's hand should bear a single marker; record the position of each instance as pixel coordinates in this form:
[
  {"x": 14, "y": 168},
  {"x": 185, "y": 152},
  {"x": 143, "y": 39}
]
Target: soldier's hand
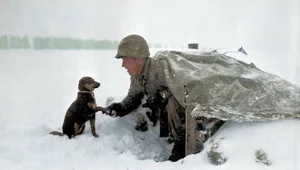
[
  {"x": 111, "y": 113},
  {"x": 114, "y": 109},
  {"x": 105, "y": 111},
  {"x": 153, "y": 102},
  {"x": 149, "y": 103}
]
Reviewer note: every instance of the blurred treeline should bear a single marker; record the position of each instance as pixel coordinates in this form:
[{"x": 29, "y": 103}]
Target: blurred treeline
[{"x": 64, "y": 43}]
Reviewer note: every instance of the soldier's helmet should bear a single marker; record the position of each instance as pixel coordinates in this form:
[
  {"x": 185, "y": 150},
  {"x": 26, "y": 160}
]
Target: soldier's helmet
[{"x": 133, "y": 46}]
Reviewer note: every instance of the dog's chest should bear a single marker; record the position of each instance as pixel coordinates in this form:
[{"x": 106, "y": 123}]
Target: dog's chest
[{"x": 83, "y": 102}]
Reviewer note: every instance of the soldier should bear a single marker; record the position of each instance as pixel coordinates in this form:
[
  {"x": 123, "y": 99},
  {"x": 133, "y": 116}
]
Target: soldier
[{"x": 147, "y": 79}]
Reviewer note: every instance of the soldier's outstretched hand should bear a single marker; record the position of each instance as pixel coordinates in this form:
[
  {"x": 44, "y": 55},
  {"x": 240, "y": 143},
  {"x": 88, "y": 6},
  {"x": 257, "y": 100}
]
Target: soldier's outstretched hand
[{"x": 113, "y": 109}]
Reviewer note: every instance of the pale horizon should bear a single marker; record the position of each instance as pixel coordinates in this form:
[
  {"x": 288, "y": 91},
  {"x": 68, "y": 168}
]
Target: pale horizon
[{"x": 266, "y": 25}]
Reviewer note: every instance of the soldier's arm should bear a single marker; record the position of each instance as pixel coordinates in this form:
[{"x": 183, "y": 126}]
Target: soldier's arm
[{"x": 131, "y": 102}]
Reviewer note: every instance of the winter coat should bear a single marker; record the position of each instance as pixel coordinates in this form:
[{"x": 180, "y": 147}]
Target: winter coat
[
  {"x": 150, "y": 82},
  {"x": 214, "y": 85}
]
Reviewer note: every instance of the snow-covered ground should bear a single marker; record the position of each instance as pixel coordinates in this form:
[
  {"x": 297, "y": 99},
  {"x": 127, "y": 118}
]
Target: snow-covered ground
[{"x": 38, "y": 86}]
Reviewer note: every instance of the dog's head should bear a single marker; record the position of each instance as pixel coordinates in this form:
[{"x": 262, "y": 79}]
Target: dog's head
[{"x": 87, "y": 84}]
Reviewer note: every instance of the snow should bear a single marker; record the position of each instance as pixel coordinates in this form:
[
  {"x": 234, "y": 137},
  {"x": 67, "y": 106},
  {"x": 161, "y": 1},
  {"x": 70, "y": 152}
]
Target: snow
[{"x": 38, "y": 86}]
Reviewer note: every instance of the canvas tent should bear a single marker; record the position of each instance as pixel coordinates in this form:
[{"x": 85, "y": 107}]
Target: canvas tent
[{"x": 215, "y": 85}]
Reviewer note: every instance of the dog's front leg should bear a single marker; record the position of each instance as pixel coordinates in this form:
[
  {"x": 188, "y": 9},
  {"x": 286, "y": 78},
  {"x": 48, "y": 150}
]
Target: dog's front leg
[
  {"x": 98, "y": 108},
  {"x": 92, "y": 122}
]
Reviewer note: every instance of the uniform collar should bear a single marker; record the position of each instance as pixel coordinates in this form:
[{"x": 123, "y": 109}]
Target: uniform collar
[{"x": 145, "y": 70}]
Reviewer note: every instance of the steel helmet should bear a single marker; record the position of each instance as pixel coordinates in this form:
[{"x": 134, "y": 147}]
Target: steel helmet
[{"x": 133, "y": 46}]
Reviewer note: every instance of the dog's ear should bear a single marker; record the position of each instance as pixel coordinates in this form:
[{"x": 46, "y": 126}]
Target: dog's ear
[{"x": 81, "y": 85}]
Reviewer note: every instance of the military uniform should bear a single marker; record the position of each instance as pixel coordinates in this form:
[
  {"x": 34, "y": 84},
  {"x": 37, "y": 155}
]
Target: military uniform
[{"x": 151, "y": 82}]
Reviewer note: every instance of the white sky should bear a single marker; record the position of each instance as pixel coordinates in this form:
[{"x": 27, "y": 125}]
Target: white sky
[{"x": 270, "y": 24}]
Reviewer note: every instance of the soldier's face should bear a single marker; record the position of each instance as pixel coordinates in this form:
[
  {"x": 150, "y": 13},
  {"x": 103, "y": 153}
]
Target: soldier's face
[{"x": 132, "y": 65}]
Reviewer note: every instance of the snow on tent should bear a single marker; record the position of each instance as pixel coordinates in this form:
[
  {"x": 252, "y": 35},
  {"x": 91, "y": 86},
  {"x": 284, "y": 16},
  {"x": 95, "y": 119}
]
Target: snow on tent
[{"x": 218, "y": 86}]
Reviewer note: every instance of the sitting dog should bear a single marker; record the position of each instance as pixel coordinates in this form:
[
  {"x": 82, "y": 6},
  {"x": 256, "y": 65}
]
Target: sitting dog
[{"x": 84, "y": 108}]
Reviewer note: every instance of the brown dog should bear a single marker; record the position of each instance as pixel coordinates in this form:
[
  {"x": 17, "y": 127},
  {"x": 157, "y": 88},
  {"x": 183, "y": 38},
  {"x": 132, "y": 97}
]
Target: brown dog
[{"x": 84, "y": 108}]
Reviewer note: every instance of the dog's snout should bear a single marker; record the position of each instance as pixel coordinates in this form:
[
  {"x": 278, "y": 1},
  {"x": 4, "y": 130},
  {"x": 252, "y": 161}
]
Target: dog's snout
[{"x": 96, "y": 84}]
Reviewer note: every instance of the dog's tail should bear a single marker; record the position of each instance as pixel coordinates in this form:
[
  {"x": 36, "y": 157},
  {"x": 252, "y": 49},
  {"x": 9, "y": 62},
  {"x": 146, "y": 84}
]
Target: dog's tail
[{"x": 57, "y": 133}]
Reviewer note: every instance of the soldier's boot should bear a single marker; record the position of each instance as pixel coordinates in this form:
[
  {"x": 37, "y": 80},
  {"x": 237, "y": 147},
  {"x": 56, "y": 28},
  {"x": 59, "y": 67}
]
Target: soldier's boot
[{"x": 178, "y": 151}]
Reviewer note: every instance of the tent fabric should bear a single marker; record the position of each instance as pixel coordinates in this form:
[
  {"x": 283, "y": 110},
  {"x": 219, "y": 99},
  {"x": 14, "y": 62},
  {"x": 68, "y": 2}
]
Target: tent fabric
[{"x": 214, "y": 85}]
